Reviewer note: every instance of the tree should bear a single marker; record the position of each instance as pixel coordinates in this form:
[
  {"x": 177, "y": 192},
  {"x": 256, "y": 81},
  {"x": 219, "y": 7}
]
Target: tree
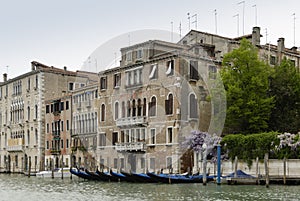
[
  {"x": 246, "y": 81},
  {"x": 285, "y": 87}
]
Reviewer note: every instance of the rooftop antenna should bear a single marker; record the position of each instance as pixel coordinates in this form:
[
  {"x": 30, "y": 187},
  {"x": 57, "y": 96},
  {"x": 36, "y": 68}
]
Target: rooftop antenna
[
  {"x": 254, "y": 6},
  {"x": 294, "y": 14},
  {"x": 180, "y": 30},
  {"x": 195, "y": 21},
  {"x": 243, "y": 2},
  {"x": 171, "y": 31},
  {"x": 237, "y": 16},
  {"x": 7, "y": 69},
  {"x": 266, "y": 35},
  {"x": 215, "y": 11},
  {"x": 189, "y": 19}
]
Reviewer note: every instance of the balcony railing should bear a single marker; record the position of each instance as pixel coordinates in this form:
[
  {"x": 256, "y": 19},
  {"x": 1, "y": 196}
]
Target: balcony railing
[
  {"x": 55, "y": 151},
  {"x": 131, "y": 146},
  {"x": 15, "y": 144},
  {"x": 131, "y": 121}
]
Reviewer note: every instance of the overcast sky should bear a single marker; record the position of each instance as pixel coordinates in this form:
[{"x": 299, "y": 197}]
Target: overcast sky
[{"x": 66, "y": 32}]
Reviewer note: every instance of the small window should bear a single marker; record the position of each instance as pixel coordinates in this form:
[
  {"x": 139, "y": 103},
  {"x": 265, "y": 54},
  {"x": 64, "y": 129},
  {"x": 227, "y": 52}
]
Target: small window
[
  {"x": 152, "y": 136},
  {"x": 169, "y": 135},
  {"x": 62, "y": 144},
  {"x": 61, "y": 106},
  {"x": 272, "y": 60},
  {"x": 68, "y": 125},
  {"x": 71, "y": 86},
  {"x": 67, "y": 143},
  {"x": 47, "y": 109},
  {"x": 102, "y": 139},
  {"x": 117, "y": 80},
  {"x": 103, "y": 83},
  {"x": 47, "y": 128},
  {"x": 62, "y": 126},
  {"x": 194, "y": 70},
  {"x": 67, "y": 105},
  {"x": 102, "y": 112},
  {"x": 170, "y": 68},
  {"x": 152, "y": 107},
  {"x": 193, "y": 110},
  {"x": 169, "y": 105},
  {"x": 139, "y": 54},
  {"x": 47, "y": 144},
  {"x": 212, "y": 72},
  {"x": 153, "y": 72},
  {"x": 129, "y": 56}
]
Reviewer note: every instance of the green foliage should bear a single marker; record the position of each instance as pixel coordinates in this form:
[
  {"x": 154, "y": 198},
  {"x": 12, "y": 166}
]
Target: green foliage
[
  {"x": 285, "y": 87},
  {"x": 246, "y": 81},
  {"x": 248, "y": 147}
]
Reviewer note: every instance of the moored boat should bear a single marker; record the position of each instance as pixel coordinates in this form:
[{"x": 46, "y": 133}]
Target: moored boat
[
  {"x": 81, "y": 174},
  {"x": 56, "y": 173},
  {"x": 176, "y": 178}
]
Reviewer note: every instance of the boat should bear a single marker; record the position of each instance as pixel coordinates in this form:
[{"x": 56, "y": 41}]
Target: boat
[
  {"x": 81, "y": 174},
  {"x": 106, "y": 176},
  {"x": 56, "y": 173},
  {"x": 177, "y": 178},
  {"x": 95, "y": 176},
  {"x": 142, "y": 178},
  {"x": 120, "y": 176},
  {"x": 241, "y": 177}
]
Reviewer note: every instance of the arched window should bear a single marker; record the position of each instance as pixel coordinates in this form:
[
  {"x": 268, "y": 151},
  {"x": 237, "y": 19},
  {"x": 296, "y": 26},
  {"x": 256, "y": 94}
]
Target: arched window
[
  {"x": 28, "y": 113},
  {"x": 116, "y": 110},
  {"x": 128, "y": 109},
  {"x": 152, "y": 106},
  {"x": 139, "y": 108},
  {"x": 193, "y": 110},
  {"x": 169, "y": 104},
  {"x": 133, "y": 108},
  {"x": 102, "y": 112}
]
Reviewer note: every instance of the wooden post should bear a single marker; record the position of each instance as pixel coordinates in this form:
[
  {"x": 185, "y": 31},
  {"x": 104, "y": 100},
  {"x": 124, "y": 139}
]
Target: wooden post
[
  {"x": 256, "y": 172},
  {"x": 235, "y": 166},
  {"x": 267, "y": 169},
  {"x": 204, "y": 147},
  {"x": 29, "y": 170},
  {"x": 62, "y": 167},
  {"x": 52, "y": 169},
  {"x": 284, "y": 170}
]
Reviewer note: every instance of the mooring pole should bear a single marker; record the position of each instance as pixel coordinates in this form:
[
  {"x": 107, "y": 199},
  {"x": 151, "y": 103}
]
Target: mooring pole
[{"x": 218, "y": 164}]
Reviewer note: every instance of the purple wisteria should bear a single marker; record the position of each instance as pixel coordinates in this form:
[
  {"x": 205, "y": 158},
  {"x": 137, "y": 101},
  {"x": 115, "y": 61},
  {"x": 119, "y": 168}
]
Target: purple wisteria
[
  {"x": 288, "y": 140},
  {"x": 196, "y": 140}
]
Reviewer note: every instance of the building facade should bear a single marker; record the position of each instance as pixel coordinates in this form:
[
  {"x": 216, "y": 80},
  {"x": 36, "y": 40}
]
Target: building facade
[{"x": 23, "y": 112}]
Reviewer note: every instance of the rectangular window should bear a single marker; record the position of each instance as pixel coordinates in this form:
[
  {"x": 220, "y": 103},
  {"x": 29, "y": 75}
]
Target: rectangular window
[
  {"x": 71, "y": 86},
  {"x": 212, "y": 72},
  {"x": 152, "y": 136},
  {"x": 194, "y": 70},
  {"x": 67, "y": 105},
  {"x": 114, "y": 138},
  {"x": 47, "y": 144},
  {"x": 117, "y": 80},
  {"x": 62, "y": 144},
  {"x": 170, "y": 135},
  {"x": 67, "y": 143},
  {"x": 272, "y": 60},
  {"x": 169, "y": 162},
  {"x": 62, "y": 126},
  {"x": 47, "y": 128},
  {"x": 102, "y": 139},
  {"x": 170, "y": 68},
  {"x": 129, "y": 56},
  {"x": 139, "y": 54},
  {"x": 68, "y": 125},
  {"x": 142, "y": 163},
  {"x": 115, "y": 163},
  {"x": 152, "y": 163},
  {"x": 153, "y": 72},
  {"x": 61, "y": 106},
  {"x": 103, "y": 83},
  {"x": 47, "y": 109}
]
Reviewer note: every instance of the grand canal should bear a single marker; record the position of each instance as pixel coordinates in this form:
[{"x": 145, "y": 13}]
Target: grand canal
[{"x": 19, "y": 187}]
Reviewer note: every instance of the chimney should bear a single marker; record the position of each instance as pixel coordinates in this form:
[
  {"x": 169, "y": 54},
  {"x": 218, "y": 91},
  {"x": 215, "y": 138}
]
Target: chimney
[
  {"x": 32, "y": 66},
  {"x": 280, "y": 44},
  {"x": 65, "y": 68},
  {"x": 4, "y": 77},
  {"x": 256, "y": 36},
  {"x": 294, "y": 49}
]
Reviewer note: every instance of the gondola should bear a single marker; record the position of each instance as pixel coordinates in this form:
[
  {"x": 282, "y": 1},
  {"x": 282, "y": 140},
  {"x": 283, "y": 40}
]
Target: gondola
[
  {"x": 106, "y": 176},
  {"x": 120, "y": 176},
  {"x": 176, "y": 179},
  {"x": 142, "y": 178},
  {"x": 81, "y": 174},
  {"x": 95, "y": 176}
]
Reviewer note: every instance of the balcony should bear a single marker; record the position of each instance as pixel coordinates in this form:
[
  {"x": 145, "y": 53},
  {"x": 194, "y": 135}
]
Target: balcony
[
  {"x": 131, "y": 121},
  {"x": 131, "y": 146},
  {"x": 55, "y": 151},
  {"x": 15, "y": 144}
]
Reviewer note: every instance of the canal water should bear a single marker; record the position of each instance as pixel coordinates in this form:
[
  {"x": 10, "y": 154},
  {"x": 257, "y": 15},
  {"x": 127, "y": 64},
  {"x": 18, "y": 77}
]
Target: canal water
[{"x": 21, "y": 188}]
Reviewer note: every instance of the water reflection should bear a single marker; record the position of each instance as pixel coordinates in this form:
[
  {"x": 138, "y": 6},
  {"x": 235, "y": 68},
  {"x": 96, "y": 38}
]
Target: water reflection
[{"x": 19, "y": 187}]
